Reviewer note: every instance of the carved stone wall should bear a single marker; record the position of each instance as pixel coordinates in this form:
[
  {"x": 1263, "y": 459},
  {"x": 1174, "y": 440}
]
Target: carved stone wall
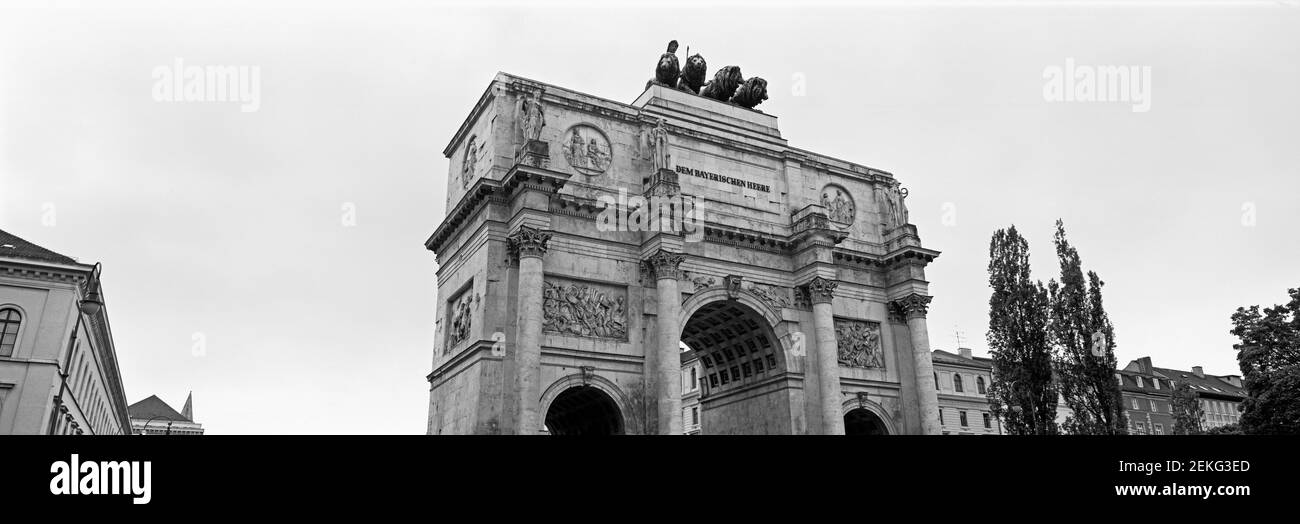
[
  {"x": 859, "y": 343},
  {"x": 584, "y": 309}
]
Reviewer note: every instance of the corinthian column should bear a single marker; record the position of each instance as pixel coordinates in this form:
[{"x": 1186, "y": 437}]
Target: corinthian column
[
  {"x": 664, "y": 360},
  {"x": 914, "y": 308},
  {"x": 826, "y": 357},
  {"x": 528, "y": 245}
]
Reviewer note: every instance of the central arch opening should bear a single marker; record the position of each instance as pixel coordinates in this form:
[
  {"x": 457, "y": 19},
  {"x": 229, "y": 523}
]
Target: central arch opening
[
  {"x": 862, "y": 421},
  {"x": 584, "y": 410},
  {"x": 734, "y": 373}
]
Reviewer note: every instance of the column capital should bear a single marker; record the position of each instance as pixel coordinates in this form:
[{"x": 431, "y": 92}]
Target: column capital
[
  {"x": 821, "y": 290},
  {"x": 664, "y": 264},
  {"x": 913, "y": 306},
  {"x": 529, "y": 242}
]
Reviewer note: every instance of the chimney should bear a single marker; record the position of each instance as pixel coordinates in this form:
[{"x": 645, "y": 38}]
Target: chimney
[
  {"x": 1198, "y": 371},
  {"x": 964, "y": 352},
  {"x": 1144, "y": 364}
]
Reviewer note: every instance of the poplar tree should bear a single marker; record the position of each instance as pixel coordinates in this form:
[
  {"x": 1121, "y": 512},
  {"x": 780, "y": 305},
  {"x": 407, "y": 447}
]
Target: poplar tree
[
  {"x": 1084, "y": 365},
  {"x": 1022, "y": 395}
]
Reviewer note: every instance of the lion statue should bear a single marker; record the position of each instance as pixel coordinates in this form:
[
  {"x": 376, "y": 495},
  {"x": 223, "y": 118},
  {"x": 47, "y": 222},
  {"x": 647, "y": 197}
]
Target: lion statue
[
  {"x": 693, "y": 74},
  {"x": 751, "y": 93},
  {"x": 724, "y": 84},
  {"x": 667, "y": 71}
]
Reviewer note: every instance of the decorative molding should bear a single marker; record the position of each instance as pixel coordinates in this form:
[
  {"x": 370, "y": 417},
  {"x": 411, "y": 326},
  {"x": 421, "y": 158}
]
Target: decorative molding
[
  {"x": 528, "y": 242},
  {"x": 914, "y": 305},
  {"x": 775, "y": 296},
  {"x": 821, "y": 290},
  {"x": 664, "y": 264},
  {"x": 859, "y": 343},
  {"x": 699, "y": 281},
  {"x": 734, "y": 284},
  {"x": 585, "y": 310}
]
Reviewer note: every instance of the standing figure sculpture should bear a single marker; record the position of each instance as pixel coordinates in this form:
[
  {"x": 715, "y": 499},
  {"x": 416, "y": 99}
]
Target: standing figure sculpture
[
  {"x": 892, "y": 197},
  {"x": 531, "y": 115},
  {"x": 654, "y": 144}
]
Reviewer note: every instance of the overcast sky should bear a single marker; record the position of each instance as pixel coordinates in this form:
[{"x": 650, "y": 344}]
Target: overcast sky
[{"x": 225, "y": 228}]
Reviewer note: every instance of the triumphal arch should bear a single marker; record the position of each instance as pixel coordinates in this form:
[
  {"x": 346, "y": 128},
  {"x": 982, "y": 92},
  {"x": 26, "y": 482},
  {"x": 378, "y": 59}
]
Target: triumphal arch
[{"x": 589, "y": 244}]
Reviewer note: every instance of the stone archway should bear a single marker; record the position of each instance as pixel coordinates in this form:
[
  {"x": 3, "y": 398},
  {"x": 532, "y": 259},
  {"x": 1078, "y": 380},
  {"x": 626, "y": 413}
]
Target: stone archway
[
  {"x": 584, "y": 410},
  {"x": 745, "y": 381},
  {"x": 862, "y": 421}
]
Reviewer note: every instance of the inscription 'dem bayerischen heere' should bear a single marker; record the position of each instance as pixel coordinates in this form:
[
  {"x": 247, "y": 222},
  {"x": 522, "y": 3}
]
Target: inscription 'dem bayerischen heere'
[{"x": 720, "y": 178}]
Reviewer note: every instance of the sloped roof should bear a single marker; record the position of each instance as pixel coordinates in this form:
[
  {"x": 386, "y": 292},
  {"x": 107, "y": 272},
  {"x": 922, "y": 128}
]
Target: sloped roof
[
  {"x": 154, "y": 407},
  {"x": 940, "y": 355},
  {"x": 13, "y": 246},
  {"x": 1206, "y": 385}
]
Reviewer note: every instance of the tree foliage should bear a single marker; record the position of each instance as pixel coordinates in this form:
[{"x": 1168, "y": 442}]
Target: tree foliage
[
  {"x": 1186, "y": 410},
  {"x": 1022, "y": 394},
  {"x": 1269, "y": 356},
  {"x": 1087, "y": 381}
]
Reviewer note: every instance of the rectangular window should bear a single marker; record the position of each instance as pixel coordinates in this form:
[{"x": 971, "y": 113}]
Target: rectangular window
[
  {"x": 694, "y": 379},
  {"x": 1142, "y": 428},
  {"x": 1153, "y": 405},
  {"x": 1157, "y": 382},
  {"x": 695, "y": 416},
  {"x": 940, "y": 416},
  {"x": 962, "y": 414},
  {"x": 1135, "y": 403},
  {"x": 988, "y": 421},
  {"x": 1160, "y": 430}
]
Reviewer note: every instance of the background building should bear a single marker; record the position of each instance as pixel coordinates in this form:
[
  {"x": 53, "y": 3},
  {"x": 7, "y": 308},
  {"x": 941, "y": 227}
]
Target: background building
[
  {"x": 962, "y": 382},
  {"x": 58, "y": 367},
  {"x": 690, "y": 392},
  {"x": 1220, "y": 395},
  {"x": 152, "y": 416}
]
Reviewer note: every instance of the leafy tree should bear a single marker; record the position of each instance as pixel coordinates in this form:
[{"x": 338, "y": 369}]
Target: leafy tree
[
  {"x": 1228, "y": 429},
  {"x": 1022, "y": 394},
  {"x": 1269, "y": 356},
  {"x": 1186, "y": 410},
  {"x": 1087, "y": 381}
]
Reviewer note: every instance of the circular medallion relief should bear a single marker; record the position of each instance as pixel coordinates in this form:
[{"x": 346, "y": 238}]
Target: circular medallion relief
[
  {"x": 839, "y": 204},
  {"x": 587, "y": 149}
]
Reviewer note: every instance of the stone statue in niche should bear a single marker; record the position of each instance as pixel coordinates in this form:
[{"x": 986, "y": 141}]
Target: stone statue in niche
[
  {"x": 531, "y": 115},
  {"x": 469, "y": 165},
  {"x": 667, "y": 70},
  {"x": 461, "y": 315},
  {"x": 839, "y": 207},
  {"x": 859, "y": 343},
  {"x": 582, "y": 310},
  {"x": 654, "y": 146}
]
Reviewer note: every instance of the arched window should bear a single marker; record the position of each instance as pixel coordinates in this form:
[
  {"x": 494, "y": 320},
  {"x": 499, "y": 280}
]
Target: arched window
[
  {"x": 956, "y": 383},
  {"x": 979, "y": 383},
  {"x": 10, "y": 318}
]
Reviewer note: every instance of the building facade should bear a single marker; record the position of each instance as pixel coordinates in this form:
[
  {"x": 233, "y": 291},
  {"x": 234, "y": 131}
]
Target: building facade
[
  {"x": 152, "y": 416},
  {"x": 58, "y": 366},
  {"x": 1220, "y": 396},
  {"x": 962, "y": 382},
  {"x": 587, "y": 239}
]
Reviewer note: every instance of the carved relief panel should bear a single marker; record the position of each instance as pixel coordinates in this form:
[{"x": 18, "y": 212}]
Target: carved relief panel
[
  {"x": 859, "y": 343},
  {"x": 587, "y": 149},
  {"x": 460, "y": 317},
  {"x": 839, "y": 204},
  {"x": 584, "y": 309}
]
